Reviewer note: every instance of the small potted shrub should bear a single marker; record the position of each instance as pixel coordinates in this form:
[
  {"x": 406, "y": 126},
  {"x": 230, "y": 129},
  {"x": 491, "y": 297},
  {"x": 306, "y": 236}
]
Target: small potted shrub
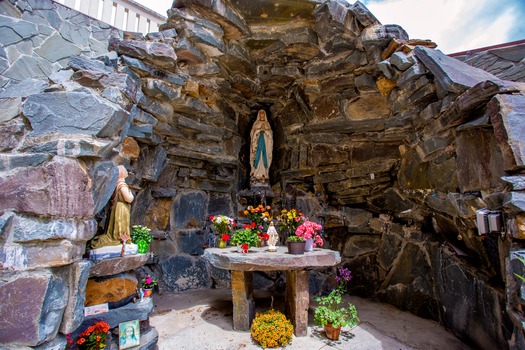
[
  {"x": 271, "y": 329},
  {"x": 331, "y": 313},
  {"x": 244, "y": 239},
  {"x": 295, "y": 245}
]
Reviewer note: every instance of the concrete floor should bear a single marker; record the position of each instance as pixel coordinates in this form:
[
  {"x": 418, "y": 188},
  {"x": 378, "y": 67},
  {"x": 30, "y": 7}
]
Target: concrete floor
[{"x": 203, "y": 320}]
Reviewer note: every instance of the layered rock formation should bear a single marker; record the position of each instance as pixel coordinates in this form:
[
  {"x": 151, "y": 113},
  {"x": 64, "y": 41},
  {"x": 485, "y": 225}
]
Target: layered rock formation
[{"x": 388, "y": 142}]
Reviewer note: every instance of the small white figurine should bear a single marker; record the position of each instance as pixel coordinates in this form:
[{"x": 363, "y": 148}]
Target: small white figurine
[
  {"x": 273, "y": 238},
  {"x": 141, "y": 294}
]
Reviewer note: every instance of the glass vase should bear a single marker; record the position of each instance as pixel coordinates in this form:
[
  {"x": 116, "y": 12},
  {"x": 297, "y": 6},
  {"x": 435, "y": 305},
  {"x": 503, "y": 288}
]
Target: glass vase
[{"x": 142, "y": 246}]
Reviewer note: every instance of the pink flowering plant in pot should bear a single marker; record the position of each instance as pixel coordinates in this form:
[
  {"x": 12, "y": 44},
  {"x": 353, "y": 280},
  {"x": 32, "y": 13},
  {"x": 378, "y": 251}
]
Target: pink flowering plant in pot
[{"x": 310, "y": 230}]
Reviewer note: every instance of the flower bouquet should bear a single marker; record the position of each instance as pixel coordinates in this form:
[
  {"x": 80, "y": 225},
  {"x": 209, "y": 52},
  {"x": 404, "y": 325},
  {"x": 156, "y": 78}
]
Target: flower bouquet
[
  {"x": 309, "y": 230},
  {"x": 260, "y": 216},
  {"x": 289, "y": 220},
  {"x": 223, "y": 224},
  {"x": 93, "y": 338}
]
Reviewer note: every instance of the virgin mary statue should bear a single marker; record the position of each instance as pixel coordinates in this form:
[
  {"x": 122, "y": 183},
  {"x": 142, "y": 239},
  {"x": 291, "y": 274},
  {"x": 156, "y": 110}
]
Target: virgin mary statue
[{"x": 261, "y": 145}]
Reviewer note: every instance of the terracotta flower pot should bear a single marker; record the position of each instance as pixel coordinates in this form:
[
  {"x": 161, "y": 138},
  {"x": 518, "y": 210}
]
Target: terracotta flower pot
[
  {"x": 332, "y": 333},
  {"x": 296, "y": 248}
]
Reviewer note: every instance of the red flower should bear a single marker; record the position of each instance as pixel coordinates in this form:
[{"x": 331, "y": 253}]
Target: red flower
[
  {"x": 254, "y": 224},
  {"x": 211, "y": 217},
  {"x": 265, "y": 236},
  {"x": 244, "y": 247},
  {"x": 247, "y": 226},
  {"x": 225, "y": 237},
  {"x": 81, "y": 341}
]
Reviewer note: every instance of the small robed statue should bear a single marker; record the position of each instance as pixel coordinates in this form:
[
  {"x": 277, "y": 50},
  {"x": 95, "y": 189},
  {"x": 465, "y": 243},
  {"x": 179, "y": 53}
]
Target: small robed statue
[{"x": 273, "y": 238}]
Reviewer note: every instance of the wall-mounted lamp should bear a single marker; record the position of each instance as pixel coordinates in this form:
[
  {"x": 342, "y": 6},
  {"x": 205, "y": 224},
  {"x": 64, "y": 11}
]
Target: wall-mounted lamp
[{"x": 488, "y": 221}]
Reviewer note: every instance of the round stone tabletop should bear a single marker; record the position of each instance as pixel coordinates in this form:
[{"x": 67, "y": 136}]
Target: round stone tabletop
[{"x": 260, "y": 259}]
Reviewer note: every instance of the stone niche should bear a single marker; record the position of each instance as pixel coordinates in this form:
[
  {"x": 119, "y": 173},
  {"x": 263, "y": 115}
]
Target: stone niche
[{"x": 388, "y": 142}]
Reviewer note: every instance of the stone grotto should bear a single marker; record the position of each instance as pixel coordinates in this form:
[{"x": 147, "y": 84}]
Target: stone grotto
[{"x": 395, "y": 147}]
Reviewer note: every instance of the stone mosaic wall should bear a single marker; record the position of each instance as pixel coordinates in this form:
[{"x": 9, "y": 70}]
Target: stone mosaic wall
[{"x": 390, "y": 143}]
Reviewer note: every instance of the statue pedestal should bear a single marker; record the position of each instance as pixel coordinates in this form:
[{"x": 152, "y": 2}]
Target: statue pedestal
[{"x": 113, "y": 251}]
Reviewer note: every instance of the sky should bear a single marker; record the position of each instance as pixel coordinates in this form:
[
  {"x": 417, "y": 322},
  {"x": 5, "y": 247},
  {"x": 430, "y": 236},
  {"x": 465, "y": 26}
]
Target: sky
[{"x": 454, "y": 25}]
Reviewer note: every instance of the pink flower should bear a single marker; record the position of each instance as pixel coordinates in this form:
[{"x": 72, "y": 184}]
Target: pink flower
[
  {"x": 149, "y": 280},
  {"x": 310, "y": 230}
]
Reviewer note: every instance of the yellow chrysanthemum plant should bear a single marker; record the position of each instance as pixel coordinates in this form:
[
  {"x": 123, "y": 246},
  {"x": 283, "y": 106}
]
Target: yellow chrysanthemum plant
[{"x": 271, "y": 329}]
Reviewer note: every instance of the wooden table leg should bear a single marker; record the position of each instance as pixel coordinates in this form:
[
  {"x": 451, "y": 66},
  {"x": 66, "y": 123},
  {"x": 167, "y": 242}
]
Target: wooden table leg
[
  {"x": 242, "y": 296},
  {"x": 298, "y": 300}
]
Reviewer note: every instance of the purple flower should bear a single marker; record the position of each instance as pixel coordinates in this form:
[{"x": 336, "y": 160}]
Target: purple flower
[{"x": 344, "y": 274}]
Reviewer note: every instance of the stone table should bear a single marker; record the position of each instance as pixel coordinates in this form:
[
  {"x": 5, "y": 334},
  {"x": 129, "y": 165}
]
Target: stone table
[{"x": 259, "y": 259}]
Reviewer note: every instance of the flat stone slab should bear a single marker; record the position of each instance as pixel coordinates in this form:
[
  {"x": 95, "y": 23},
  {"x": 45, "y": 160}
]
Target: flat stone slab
[
  {"x": 113, "y": 266},
  {"x": 260, "y": 259}
]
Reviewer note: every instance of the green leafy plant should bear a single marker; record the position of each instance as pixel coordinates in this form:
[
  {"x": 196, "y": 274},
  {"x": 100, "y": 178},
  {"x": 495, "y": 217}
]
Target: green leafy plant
[
  {"x": 331, "y": 309},
  {"x": 245, "y": 236},
  {"x": 140, "y": 233},
  {"x": 294, "y": 238},
  {"x": 271, "y": 329}
]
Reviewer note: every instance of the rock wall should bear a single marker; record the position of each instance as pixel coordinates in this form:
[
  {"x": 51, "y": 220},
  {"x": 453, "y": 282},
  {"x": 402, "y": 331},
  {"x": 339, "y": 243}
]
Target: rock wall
[{"x": 388, "y": 142}]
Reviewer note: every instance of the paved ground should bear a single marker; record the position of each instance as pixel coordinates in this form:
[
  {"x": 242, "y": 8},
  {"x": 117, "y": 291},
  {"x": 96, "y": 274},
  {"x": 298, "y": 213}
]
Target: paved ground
[{"x": 203, "y": 320}]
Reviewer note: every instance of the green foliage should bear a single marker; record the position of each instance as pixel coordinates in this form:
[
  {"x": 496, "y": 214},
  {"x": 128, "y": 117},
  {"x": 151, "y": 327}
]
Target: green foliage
[
  {"x": 295, "y": 239},
  {"x": 141, "y": 233},
  {"x": 331, "y": 309},
  {"x": 245, "y": 236},
  {"x": 271, "y": 329}
]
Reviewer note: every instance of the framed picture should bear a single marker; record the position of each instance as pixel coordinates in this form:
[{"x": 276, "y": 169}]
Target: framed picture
[{"x": 129, "y": 334}]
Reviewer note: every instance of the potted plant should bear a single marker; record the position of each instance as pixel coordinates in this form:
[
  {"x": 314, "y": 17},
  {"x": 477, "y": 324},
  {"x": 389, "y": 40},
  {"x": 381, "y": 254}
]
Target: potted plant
[
  {"x": 147, "y": 285},
  {"x": 142, "y": 237},
  {"x": 93, "y": 338},
  {"x": 245, "y": 239},
  {"x": 309, "y": 231},
  {"x": 295, "y": 245},
  {"x": 331, "y": 313},
  {"x": 271, "y": 329}
]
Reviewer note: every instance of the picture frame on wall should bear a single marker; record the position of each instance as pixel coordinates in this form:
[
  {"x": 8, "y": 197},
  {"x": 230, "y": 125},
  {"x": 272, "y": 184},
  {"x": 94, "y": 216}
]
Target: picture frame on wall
[{"x": 129, "y": 334}]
